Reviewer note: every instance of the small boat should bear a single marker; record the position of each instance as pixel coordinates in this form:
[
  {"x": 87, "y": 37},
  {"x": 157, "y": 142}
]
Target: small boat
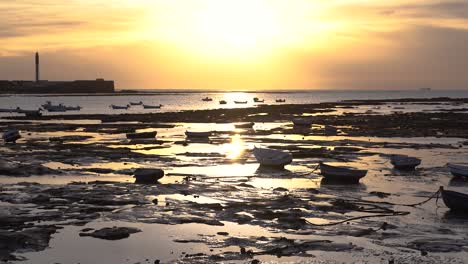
[
  {"x": 141, "y": 135},
  {"x": 56, "y": 108},
  {"x": 11, "y": 136},
  {"x": 403, "y": 162},
  {"x": 73, "y": 108},
  {"x": 341, "y": 173},
  {"x": 118, "y": 107},
  {"x": 207, "y": 99},
  {"x": 139, "y": 103},
  {"x": 456, "y": 201},
  {"x": 272, "y": 158},
  {"x": 280, "y": 100},
  {"x": 302, "y": 122},
  {"x": 222, "y": 102},
  {"x": 458, "y": 170},
  {"x": 240, "y": 102},
  {"x": 30, "y": 113},
  {"x": 191, "y": 134},
  {"x": 5, "y": 110},
  {"x": 244, "y": 125},
  {"x": 257, "y": 100},
  {"x": 152, "y": 106}
]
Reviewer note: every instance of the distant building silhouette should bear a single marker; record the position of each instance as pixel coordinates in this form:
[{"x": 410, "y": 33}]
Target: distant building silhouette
[{"x": 37, "y": 66}]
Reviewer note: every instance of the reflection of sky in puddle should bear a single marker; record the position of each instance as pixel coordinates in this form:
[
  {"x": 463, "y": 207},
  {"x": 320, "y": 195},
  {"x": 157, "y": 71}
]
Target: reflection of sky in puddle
[{"x": 294, "y": 183}]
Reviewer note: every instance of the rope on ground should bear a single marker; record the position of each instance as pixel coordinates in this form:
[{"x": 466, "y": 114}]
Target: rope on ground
[
  {"x": 435, "y": 195},
  {"x": 359, "y": 217}
]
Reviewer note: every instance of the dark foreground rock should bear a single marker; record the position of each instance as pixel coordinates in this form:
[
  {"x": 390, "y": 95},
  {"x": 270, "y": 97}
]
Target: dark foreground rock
[
  {"x": 112, "y": 233},
  {"x": 148, "y": 176}
]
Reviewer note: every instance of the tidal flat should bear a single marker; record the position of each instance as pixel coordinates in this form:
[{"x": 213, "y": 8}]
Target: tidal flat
[{"x": 68, "y": 194}]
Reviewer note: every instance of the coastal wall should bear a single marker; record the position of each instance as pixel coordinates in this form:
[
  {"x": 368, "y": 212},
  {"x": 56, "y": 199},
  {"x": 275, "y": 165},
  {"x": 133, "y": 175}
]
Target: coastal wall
[{"x": 79, "y": 86}]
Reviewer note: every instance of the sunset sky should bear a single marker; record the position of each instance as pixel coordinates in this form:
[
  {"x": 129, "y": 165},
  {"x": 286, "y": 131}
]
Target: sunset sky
[{"x": 239, "y": 44}]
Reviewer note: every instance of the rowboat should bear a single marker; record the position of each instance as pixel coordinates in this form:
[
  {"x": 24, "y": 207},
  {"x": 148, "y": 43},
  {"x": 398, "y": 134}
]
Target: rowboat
[
  {"x": 257, "y": 100},
  {"x": 240, "y": 102},
  {"x": 141, "y": 135},
  {"x": 403, "y": 162},
  {"x": 207, "y": 99},
  {"x": 272, "y": 158},
  {"x": 458, "y": 170},
  {"x": 152, "y": 106},
  {"x": 302, "y": 122},
  {"x": 244, "y": 125},
  {"x": 139, "y": 103},
  {"x": 191, "y": 134},
  {"x": 11, "y": 136},
  {"x": 222, "y": 102},
  {"x": 341, "y": 173},
  {"x": 456, "y": 201},
  {"x": 118, "y": 107},
  {"x": 280, "y": 100}
]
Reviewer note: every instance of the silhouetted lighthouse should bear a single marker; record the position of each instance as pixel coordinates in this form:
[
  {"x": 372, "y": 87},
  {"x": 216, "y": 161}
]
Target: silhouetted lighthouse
[{"x": 37, "y": 66}]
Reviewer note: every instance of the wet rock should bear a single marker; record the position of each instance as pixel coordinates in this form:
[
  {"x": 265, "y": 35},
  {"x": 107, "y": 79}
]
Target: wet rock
[
  {"x": 112, "y": 233},
  {"x": 148, "y": 176}
]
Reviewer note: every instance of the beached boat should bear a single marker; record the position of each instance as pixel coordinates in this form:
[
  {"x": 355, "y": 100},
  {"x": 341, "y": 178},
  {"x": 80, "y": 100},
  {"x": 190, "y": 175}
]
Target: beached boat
[
  {"x": 302, "y": 122},
  {"x": 280, "y": 100},
  {"x": 119, "y": 107},
  {"x": 456, "y": 201},
  {"x": 272, "y": 158},
  {"x": 240, "y": 102},
  {"x": 458, "y": 170},
  {"x": 191, "y": 134},
  {"x": 207, "y": 99},
  {"x": 138, "y": 103},
  {"x": 11, "y": 136},
  {"x": 244, "y": 125},
  {"x": 403, "y": 162},
  {"x": 341, "y": 173},
  {"x": 257, "y": 100},
  {"x": 222, "y": 102},
  {"x": 136, "y": 135},
  {"x": 152, "y": 106}
]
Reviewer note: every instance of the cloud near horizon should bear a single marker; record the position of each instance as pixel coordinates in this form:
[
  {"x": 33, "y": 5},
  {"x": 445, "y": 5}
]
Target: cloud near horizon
[{"x": 256, "y": 44}]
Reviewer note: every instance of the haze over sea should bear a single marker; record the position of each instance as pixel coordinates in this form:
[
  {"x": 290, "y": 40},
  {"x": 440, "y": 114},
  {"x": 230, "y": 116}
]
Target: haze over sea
[{"x": 179, "y": 100}]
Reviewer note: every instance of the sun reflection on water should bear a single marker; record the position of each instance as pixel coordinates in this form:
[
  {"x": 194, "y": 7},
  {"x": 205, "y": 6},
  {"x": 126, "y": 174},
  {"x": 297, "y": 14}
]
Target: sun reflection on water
[{"x": 235, "y": 149}]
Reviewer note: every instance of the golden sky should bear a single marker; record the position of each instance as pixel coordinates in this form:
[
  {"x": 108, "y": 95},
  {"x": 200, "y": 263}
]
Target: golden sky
[{"x": 239, "y": 44}]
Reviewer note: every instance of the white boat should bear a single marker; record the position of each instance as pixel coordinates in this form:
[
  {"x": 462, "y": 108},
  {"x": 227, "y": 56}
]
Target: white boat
[
  {"x": 11, "y": 136},
  {"x": 302, "y": 122},
  {"x": 341, "y": 173},
  {"x": 207, "y": 99},
  {"x": 403, "y": 162},
  {"x": 152, "y": 106},
  {"x": 272, "y": 158},
  {"x": 118, "y": 107},
  {"x": 139, "y": 103},
  {"x": 458, "y": 170},
  {"x": 191, "y": 134}
]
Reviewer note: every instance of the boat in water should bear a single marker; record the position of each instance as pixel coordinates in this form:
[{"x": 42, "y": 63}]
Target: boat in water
[
  {"x": 456, "y": 201},
  {"x": 272, "y": 158},
  {"x": 257, "y": 100},
  {"x": 223, "y": 102},
  {"x": 192, "y": 134},
  {"x": 280, "y": 100},
  {"x": 404, "y": 162},
  {"x": 341, "y": 173},
  {"x": 207, "y": 99},
  {"x": 139, "y": 135},
  {"x": 458, "y": 170},
  {"x": 302, "y": 122},
  {"x": 11, "y": 136},
  {"x": 244, "y": 125},
  {"x": 152, "y": 106},
  {"x": 119, "y": 107},
  {"x": 240, "y": 102},
  {"x": 138, "y": 103}
]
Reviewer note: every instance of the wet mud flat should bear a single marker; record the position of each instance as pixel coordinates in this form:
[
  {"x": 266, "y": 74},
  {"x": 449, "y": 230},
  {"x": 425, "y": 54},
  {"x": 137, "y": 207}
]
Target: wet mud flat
[{"x": 71, "y": 186}]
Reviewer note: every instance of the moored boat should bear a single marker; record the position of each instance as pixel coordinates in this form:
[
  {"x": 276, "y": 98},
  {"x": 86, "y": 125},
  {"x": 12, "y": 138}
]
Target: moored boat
[
  {"x": 240, "y": 102},
  {"x": 136, "y": 135},
  {"x": 458, "y": 170},
  {"x": 244, "y": 125},
  {"x": 73, "y": 108},
  {"x": 11, "y": 136},
  {"x": 456, "y": 201},
  {"x": 192, "y": 134},
  {"x": 222, "y": 102},
  {"x": 152, "y": 106},
  {"x": 302, "y": 122},
  {"x": 403, "y": 162},
  {"x": 341, "y": 173},
  {"x": 118, "y": 107},
  {"x": 136, "y": 103},
  {"x": 207, "y": 99},
  {"x": 280, "y": 100},
  {"x": 272, "y": 158},
  {"x": 257, "y": 100}
]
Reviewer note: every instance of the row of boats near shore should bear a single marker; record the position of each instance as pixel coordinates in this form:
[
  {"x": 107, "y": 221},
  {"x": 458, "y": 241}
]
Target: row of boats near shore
[
  {"x": 255, "y": 100},
  {"x": 133, "y": 104}
]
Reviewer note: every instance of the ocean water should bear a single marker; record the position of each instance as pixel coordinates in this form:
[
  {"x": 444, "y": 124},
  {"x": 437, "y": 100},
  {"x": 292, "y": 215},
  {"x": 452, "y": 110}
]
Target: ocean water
[{"x": 185, "y": 100}]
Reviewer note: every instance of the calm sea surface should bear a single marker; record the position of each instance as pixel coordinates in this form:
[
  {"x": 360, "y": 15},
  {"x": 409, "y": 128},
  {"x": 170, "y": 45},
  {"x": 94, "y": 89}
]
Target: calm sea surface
[{"x": 179, "y": 101}]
